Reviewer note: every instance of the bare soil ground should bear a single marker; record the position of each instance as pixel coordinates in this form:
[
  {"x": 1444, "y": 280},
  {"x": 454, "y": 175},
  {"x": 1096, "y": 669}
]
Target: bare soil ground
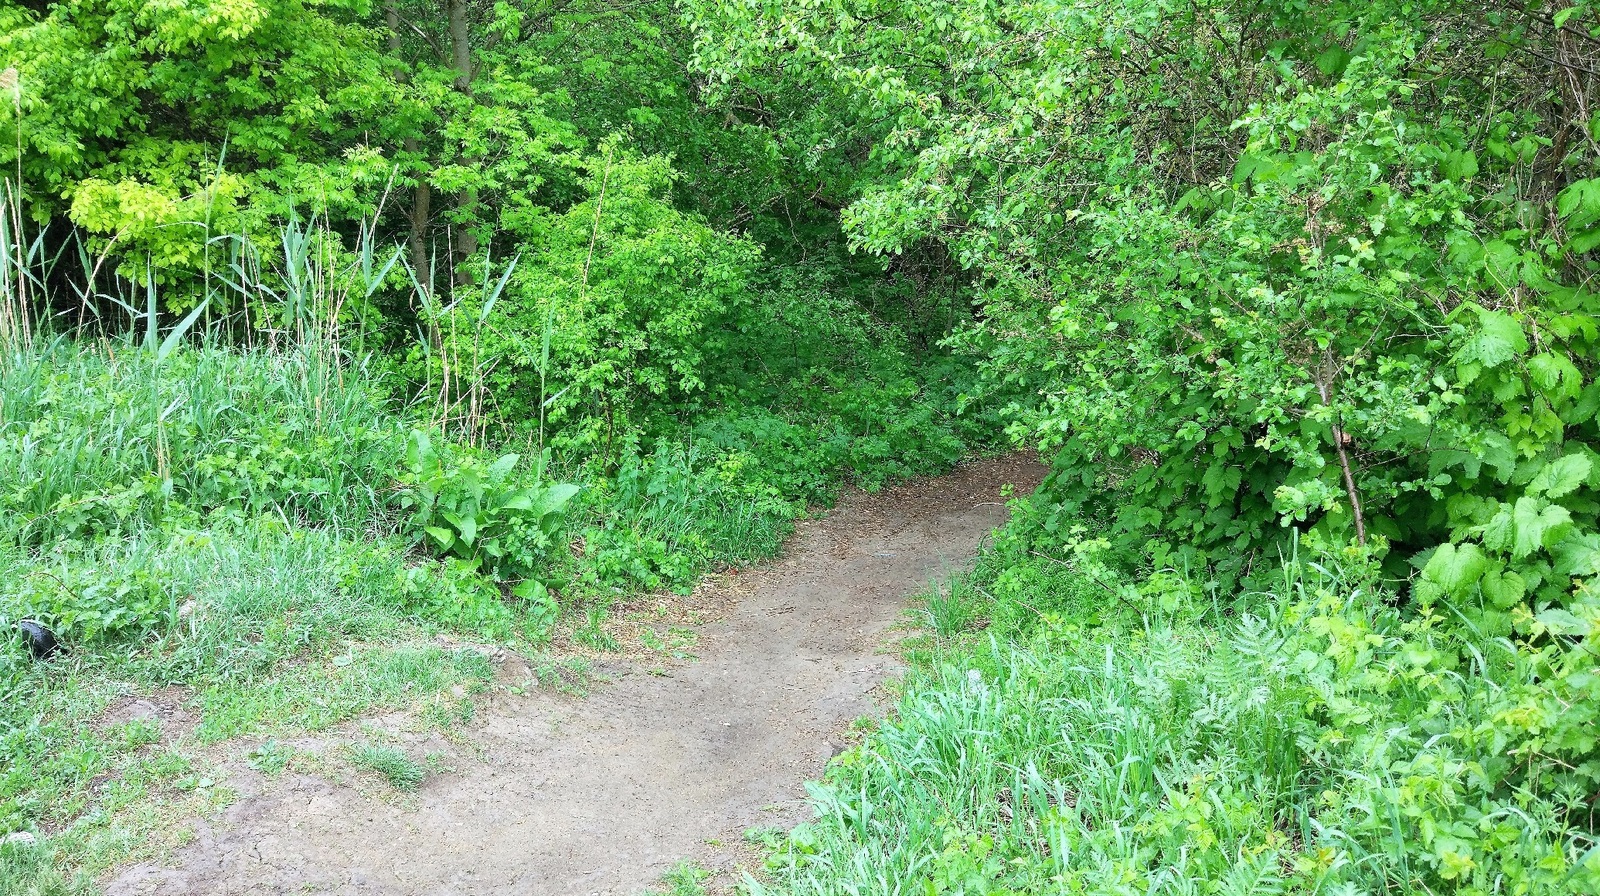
[{"x": 601, "y": 795}]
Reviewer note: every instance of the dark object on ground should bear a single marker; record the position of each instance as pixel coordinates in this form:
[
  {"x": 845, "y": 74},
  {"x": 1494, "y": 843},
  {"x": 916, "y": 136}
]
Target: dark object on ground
[{"x": 42, "y": 642}]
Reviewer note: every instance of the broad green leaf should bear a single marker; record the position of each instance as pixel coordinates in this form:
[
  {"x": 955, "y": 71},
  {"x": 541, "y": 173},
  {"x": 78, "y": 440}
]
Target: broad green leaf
[
  {"x": 1498, "y": 532},
  {"x": 1579, "y": 203},
  {"x": 1503, "y": 589},
  {"x": 1583, "y": 241},
  {"x": 1535, "y": 524},
  {"x": 503, "y": 465},
  {"x": 1460, "y": 165},
  {"x": 521, "y": 500},
  {"x": 445, "y": 538},
  {"x": 1499, "y": 339},
  {"x": 1578, "y": 555},
  {"x": 556, "y": 497},
  {"x": 1561, "y": 476},
  {"x": 1556, "y": 376},
  {"x": 533, "y": 590},
  {"x": 1562, "y": 622},
  {"x": 1456, "y": 568},
  {"x": 177, "y": 332}
]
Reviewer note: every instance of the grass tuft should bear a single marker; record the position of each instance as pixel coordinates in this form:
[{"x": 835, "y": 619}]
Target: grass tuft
[{"x": 391, "y": 764}]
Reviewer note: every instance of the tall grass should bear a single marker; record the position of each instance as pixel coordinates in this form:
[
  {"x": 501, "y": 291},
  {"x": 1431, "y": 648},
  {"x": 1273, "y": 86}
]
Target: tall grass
[
  {"x": 104, "y": 437},
  {"x": 21, "y": 264},
  {"x": 1322, "y": 745},
  {"x": 1084, "y": 772}
]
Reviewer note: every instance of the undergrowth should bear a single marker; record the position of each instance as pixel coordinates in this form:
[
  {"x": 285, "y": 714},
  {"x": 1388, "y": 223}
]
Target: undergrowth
[{"x": 1071, "y": 728}]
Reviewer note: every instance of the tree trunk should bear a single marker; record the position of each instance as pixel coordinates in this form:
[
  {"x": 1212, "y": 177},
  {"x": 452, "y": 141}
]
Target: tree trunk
[
  {"x": 422, "y": 193},
  {"x": 461, "y": 58}
]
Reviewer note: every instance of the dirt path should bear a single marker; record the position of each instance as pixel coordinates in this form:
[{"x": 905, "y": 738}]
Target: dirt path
[{"x": 603, "y": 794}]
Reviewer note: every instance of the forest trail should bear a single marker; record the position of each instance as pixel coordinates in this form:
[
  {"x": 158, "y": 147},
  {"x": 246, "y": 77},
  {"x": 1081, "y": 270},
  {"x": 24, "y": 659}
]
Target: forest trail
[{"x": 601, "y": 795}]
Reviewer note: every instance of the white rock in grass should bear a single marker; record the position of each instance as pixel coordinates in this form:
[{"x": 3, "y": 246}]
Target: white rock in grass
[{"x": 20, "y": 838}]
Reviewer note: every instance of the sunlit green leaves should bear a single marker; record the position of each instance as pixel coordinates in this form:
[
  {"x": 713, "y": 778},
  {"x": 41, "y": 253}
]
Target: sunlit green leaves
[{"x": 1562, "y": 476}]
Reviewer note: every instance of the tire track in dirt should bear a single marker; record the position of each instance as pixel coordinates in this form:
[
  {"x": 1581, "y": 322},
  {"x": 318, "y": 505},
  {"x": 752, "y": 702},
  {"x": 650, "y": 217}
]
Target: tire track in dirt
[{"x": 601, "y": 795}]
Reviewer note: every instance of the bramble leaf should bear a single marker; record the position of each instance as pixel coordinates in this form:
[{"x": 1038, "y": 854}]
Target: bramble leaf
[{"x": 1561, "y": 476}]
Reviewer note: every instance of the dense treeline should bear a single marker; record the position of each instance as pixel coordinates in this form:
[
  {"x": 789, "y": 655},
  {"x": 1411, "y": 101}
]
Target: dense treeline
[{"x": 1297, "y": 297}]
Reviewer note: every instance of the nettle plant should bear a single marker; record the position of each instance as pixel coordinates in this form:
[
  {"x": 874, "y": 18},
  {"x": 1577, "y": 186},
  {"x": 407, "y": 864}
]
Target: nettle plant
[{"x": 483, "y": 512}]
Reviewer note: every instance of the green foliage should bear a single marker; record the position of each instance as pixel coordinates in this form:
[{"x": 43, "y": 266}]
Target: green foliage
[
  {"x": 30, "y": 871},
  {"x": 126, "y": 109},
  {"x": 619, "y": 311},
  {"x": 100, "y": 442},
  {"x": 271, "y": 757},
  {"x": 391, "y": 764},
  {"x": 482, "y": 512},
  {"x": 663, "y": 520},
  {"x": 685, "y": 879},
  {"x": 1320, "y": 269},
  {"x": 1325, "y": 743}
]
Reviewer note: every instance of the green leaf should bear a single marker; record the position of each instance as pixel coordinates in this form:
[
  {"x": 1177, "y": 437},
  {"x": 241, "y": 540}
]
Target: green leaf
[
  {"x": 532, "y": 590},
  {"x": 1578, "y": 555},
  {"x": 1582, "y": 241},
  {"x": 1460, "y": 165},
  {"x": 445, "y": 538},
  {"x": 469, "y": 529},
  {"x": 418, "y": 449},
  {"x": 1563, "y": 622},
  {"x": 177, "y": 332},
  {"x": 1499, "y": 339},
  {"x": 1456, "y": 568},
  {"x": 1535, "y": 524},
  {"x": 1504, "y": 589},
  {"x": 1556, "y": 376},
  {"x": 502, "y": 466},
  {"x": 1498, "y": 531},
  {"x": 1562, "y": 476},
  {"x": 556, "y": 497},
  {"x": 521, "y": 500},
  {"x": 1579, "y": 203}
]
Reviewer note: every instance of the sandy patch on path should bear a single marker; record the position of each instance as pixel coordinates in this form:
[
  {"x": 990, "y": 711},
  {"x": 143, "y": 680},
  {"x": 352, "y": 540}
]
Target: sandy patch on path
[{"x": 601, "y": 795}]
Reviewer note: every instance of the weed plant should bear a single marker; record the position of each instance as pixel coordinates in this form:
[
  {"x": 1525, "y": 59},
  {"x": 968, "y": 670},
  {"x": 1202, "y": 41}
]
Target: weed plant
[{"x": 684, "y": 879}]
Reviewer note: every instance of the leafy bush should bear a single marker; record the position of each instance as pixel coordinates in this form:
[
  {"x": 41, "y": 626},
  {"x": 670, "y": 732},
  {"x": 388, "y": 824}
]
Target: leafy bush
[
  {"x": 617, "y": 314},
  {"x": 663, "y": 520},
  {"x": 482, "y": 512}
]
